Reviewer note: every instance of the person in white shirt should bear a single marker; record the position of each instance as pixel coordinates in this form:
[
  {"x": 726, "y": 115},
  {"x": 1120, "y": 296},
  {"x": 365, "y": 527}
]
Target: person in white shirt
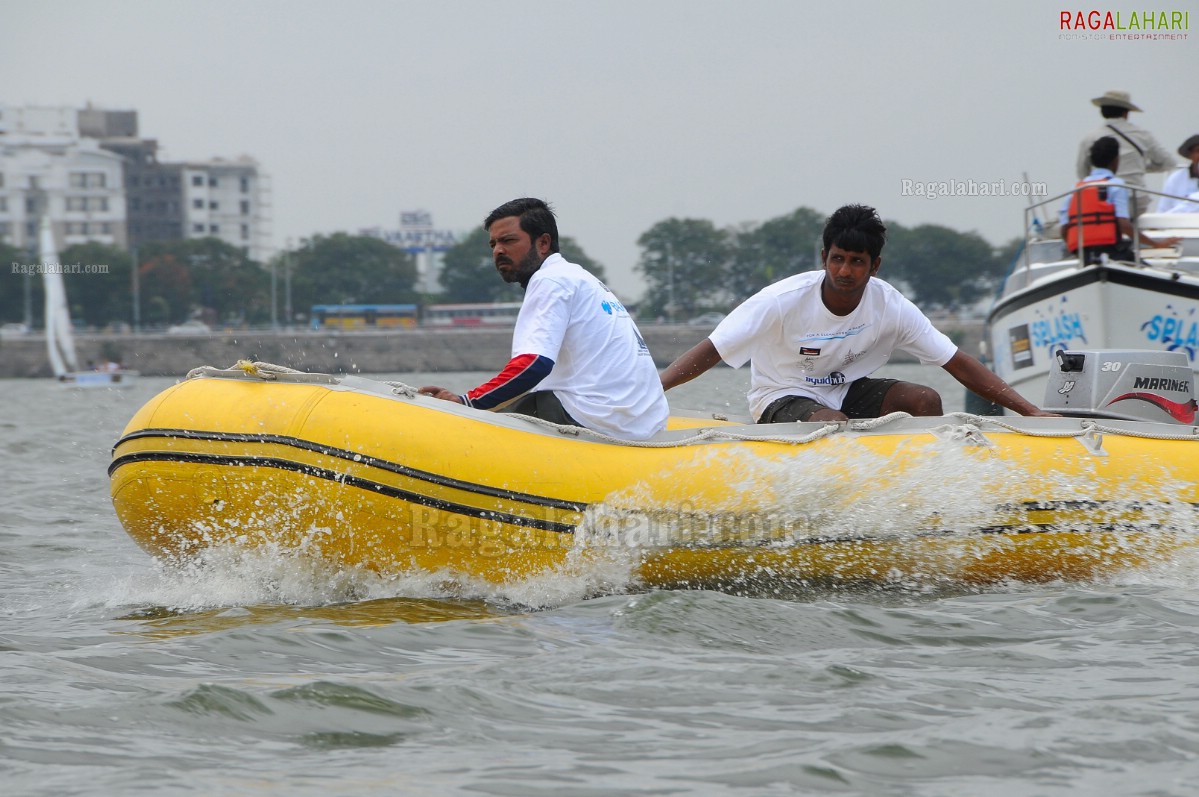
[
  {"x": 574, "y": 341},
  {"x": 814, "y": 339},
  {"x": 1183, "y": 185}
]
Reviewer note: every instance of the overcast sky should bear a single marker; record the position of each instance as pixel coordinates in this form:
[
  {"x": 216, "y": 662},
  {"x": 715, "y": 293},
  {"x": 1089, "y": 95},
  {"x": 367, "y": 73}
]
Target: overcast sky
[{"x": 621, "y": 114}]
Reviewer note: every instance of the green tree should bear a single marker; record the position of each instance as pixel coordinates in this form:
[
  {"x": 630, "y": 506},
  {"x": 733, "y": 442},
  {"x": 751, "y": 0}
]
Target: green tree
[
  {"x": 778, "y": 248},
  {"x": 96, "y": 299},
  {"x": 685, "y": 263},
  {"x": 468, "y": 273},
  {"x": 13, "y": 286},
  {"x": 942, "y": 267},
  {"x": 204, "y": 276},
  {"x": 469, "y": 276},
  {"x": 348, "y": 269}
]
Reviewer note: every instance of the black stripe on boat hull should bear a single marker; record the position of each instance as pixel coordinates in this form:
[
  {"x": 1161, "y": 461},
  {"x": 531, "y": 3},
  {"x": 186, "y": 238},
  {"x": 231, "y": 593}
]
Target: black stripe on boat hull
[
  {"x": 349, "y": 456},
  {"x": 343, "y": 478}
]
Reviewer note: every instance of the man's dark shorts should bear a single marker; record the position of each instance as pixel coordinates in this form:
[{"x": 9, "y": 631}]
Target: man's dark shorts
[
  {"x": 542, "y": 404},
  {"x": 864, "y": 400}
]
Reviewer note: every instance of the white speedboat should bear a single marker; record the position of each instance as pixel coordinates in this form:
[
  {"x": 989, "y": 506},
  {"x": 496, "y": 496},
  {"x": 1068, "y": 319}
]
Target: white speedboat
[{"x": 1052, "y": 302}]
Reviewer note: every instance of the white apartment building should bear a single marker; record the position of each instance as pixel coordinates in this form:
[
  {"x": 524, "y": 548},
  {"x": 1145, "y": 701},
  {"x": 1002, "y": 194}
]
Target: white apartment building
[
  {"x": 45, "y": 168},
  {"x": 229, "y": 200},
  {"x": 99, "y": 182}
]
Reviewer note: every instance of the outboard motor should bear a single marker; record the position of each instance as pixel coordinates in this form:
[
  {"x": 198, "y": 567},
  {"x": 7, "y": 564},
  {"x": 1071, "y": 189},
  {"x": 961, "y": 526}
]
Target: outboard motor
[{"x": 1127, "y": 385}]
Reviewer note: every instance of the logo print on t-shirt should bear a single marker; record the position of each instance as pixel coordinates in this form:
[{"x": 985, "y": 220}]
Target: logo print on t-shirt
[
  {"x": 835, "y": 378},
  {"x": 607, "y": 307}
]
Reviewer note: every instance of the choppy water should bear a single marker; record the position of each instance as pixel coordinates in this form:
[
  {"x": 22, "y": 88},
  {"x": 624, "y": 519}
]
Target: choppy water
[{"x": 267, "y": 676}]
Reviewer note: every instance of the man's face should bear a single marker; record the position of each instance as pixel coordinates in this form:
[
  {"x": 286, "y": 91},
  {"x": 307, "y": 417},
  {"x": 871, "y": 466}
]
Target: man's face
[
  {"x": 515, "y": 255},
  {"x": 848, "y": 272}
]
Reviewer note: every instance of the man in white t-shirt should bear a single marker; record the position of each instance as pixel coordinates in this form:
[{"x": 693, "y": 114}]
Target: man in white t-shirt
[
  {"x": 574, "y": 341},
  {"x": 814, "y": 339}
]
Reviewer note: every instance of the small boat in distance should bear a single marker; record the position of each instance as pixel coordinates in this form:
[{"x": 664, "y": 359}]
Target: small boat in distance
[
  {"x": 1052, "y": 301},
  {"x": 60, "y": 343}
]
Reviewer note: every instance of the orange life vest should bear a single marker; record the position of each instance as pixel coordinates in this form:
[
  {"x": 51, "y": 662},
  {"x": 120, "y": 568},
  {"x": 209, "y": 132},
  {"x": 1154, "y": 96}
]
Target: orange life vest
[{"x": 1090, "y": 210}]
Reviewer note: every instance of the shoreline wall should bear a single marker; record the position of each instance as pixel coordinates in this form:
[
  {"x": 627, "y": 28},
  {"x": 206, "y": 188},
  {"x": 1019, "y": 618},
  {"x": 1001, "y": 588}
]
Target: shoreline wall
[{"x": 402, "y": 351}]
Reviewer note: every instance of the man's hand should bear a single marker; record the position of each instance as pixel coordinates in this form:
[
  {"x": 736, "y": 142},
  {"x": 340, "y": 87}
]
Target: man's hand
[{"x": 440, "y": 393}]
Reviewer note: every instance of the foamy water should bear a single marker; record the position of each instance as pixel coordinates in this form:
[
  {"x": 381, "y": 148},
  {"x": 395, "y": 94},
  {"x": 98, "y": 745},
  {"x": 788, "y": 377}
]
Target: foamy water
[{"x": 262, "y": 672}]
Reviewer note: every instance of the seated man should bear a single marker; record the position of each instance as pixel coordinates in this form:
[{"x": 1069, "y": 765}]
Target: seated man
[
  {"x": 1183, "y": 185},
  {"x": 1095, "y": 217},
  {"x": 814, "y": 339},
  {"x": 573, "y": 339}
]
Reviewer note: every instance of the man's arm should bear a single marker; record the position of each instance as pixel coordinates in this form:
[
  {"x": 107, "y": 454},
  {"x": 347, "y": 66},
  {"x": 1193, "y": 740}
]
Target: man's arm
[
  {"x": 1157, "y": 157},
  {"x": 695, "y": 361},
  {"x": 1126, "y": 230},
  {"x": 980, "y": 380},
  {"x": 522, "y": 373}
]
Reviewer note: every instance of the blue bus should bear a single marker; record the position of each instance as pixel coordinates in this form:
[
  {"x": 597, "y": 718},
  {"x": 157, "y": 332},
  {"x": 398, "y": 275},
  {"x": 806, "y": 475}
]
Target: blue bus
[{"x": 351, "y": 317}]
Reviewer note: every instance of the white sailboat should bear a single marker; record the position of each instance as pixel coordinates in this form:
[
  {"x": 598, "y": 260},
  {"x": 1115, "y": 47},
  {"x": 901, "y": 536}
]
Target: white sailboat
[{"x": 60, "y": 343}]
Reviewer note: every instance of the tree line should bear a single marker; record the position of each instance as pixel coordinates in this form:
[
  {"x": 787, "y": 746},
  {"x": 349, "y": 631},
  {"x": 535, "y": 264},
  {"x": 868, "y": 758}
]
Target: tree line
[{"x": 689, "y": 266}]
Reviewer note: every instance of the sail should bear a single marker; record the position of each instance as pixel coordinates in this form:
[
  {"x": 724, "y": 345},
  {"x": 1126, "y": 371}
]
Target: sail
[{"x": 59, "y": 343}]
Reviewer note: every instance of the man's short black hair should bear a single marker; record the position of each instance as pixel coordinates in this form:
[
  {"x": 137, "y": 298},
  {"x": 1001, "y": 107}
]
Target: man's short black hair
[
  {"x": 1113, "y": 111},
  {"x": 855, "y": 228},
  {"x": 536, "y": 218},
  {"x": 1104, "y": 152}
]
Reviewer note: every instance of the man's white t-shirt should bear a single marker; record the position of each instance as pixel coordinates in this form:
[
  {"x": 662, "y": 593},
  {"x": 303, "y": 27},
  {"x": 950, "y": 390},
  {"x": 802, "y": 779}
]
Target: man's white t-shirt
[
  {"x": 603, "y": 372},
  {"x": 799, "y": 348}
]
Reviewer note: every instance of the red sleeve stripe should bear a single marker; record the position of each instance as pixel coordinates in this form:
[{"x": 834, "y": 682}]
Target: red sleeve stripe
[{"x": 522, "y": 373}]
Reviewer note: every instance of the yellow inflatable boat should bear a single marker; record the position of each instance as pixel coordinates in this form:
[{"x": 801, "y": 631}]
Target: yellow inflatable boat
[{"x": 370, "y": 474}]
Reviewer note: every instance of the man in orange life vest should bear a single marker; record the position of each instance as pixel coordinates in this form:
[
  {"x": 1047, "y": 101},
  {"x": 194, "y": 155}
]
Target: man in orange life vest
[{"x": 1097, "y": 216}]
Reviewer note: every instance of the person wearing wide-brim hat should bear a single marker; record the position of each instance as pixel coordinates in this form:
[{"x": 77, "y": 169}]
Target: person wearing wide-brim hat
[
  {"x": 1183, "y": 185},
  {"x": 1140, "y": 152}
]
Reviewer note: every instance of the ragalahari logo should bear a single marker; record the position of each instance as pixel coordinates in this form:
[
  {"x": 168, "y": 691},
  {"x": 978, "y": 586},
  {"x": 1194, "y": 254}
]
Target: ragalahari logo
[
  {"x": 1121, "y": 21},
  {"x": 1124, "y": 24}
]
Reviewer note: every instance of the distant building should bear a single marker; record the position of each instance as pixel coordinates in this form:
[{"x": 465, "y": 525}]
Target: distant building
[
  {"x": 153, "y": 193},
  {"x": 100, "y": 181},
  {"x": 45, "y": 168},
  {"x": 227, "y": 200},
  {"x": 417, "y": 236}
]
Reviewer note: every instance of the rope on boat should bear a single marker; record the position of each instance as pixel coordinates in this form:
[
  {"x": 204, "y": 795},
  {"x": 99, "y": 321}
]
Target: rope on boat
[
  {"x": 267, "y": 371},
  {"x": 1086, "y": 427},
  {"x": 401, "y": 389},
  {"x": 972, "y": 425}
]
